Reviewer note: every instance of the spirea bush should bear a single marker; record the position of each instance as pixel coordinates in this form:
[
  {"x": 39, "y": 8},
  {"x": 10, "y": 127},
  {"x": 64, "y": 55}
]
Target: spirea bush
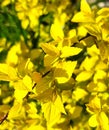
[{"x": 54, "y": 65}]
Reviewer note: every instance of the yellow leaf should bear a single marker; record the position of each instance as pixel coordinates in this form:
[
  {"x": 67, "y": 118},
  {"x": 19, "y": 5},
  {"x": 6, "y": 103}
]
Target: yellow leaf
[
  {"x": 93, "y": 121},
  {"x": 100, "y": 74},
  {"x": 103, "y": 121},
  {"x": 94, "y": 105},
  {"x": 25, "y": 23},
  {"x": 50, "y": 49},
  {"x": 93, "y": 50},
  {"x": 15, "y": 110},
  {"x": 103, "y": 12},
  {"x": 89, "y": 63},
  {"x": 56, "y": 32},
  {"x": 85, "y": 15},
  {"x": 6, "y": 2},
  {"x": 82, "y": 17},
  {"x": 27, "y": 81},
  {"x": 84, "y": 75},
  {"x": 85, "y": 7},
  {"x": 69, "y": 51},
  {"x": 46, "y": 95},
  {"x": 64, "y": 70},
  {"x": 43, "y": 85},
  {"x": 75, "y": 111},
  {"x": 8, "y": 73},
  {"x": 52, "y": 111},
  {"x": 94, "y": 30},
  {"x": 36, "y": 77},
  {"x": 79, "y": 93},
  {"x": 19, "y": 94},
  {"x": 49, "y": 60}
]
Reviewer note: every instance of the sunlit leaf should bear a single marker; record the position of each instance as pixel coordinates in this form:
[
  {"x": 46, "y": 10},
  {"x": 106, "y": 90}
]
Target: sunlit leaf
[
  {"x": 85, "y": 7},
  {"x": 15, "y": 110},
  {"x": 27, "y": 81},
  {"x": 8, "y": 73},
  {"x": 84, "y": 75},
  {"x": 85, "y": 15},
  {"x": 64, "y": 70},
  {"x": 70, "y": 51},
  {"x": 79, "y": 93},
  {"x": 56, "y": 32},
  {"x": 93, "y": 121},
  {"x": 50, "y": 49},
  {"x": 103, "y": 121},
  {"x": 52, "y": 110},
  {"x": 94, "y": 105}
]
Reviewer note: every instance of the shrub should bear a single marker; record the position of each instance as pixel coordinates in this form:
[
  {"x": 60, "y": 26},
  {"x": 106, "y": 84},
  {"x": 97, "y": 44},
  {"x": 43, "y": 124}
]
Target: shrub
[{"x": 54, "y": 65}]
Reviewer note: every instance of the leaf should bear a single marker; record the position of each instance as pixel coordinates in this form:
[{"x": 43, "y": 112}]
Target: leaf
[
  {"x": 100, "y": 74},
  {"x": 8, "y": 73},
  {"x": 82, "y": 17},
  {"x": 93, "y": 121},
  {"x": 19, "y": 94},
  {"x": 103, "y": 12},
  {"x": 94, "y": 30},
  {"x": 89, "y": 63},
  {"x": 15, "y": 110},
  {"x": 36, "y": 77},
  {"x": 25, "y": 23},
  {"x": 50, "y": 49},
  {"x": 103, "y": 121},
  {"x": 27, "y": 81},
  {"x": 85, "y": 15},
  {"x": 84, "y": 75},
  {"x": 85, "y": 7},
  {"x": 52, "y": 111},
  {"x": 79, "y": 93},
  {"x": 43, "y": 85},
  {"x": 49, "y": 60},
  {"x": 46, "y": 96},
  {"x": 94, "y": 105},
  {"x": 69, "y": 51},
  {"x": 64, "y": 70},
  {"x": 56, "y": 32}
]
